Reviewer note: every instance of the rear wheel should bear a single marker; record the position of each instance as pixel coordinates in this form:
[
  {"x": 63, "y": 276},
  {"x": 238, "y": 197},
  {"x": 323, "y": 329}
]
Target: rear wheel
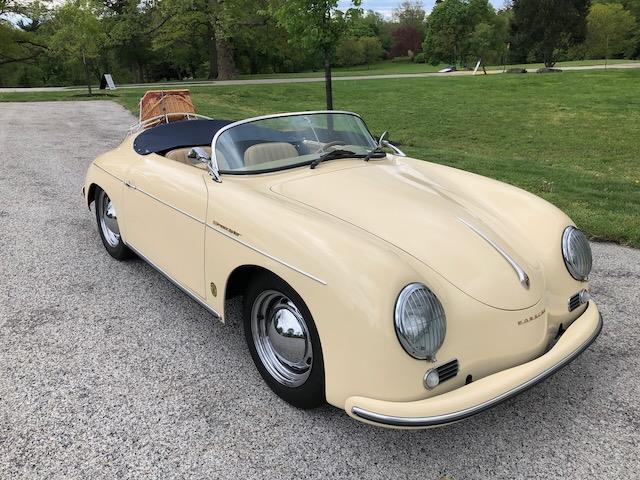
[
  {"x": 108, "y": 226},
  {"x": 284, "y": 342}
]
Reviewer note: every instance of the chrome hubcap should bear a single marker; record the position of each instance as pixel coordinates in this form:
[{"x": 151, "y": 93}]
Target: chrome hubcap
[
  {"x": 281, "y": 338},
  {"x": 108, "y": 219}
]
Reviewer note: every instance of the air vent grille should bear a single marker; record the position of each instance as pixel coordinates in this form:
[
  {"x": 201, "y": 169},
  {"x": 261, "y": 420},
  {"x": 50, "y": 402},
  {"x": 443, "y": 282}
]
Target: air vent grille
[
  {"x": 574, "y": 302},
  {"x": 448, "y": 370}
]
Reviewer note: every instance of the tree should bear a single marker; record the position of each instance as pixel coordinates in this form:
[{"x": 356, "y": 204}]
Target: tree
[
  {"x": 610, "y": 30},
  {"x": 406, "y": 38},
  {"x": 349, "y": 52},
  {"x": 408, "y": 29},
  {"x": 129, "y": 28},
  {"x": 371, "y": 49},
  {"x": 453, "y": 31},
  {"x": 483, "y": 42},
  {"x": 78, "y": 34},
  {"x": 543, "y": 27},
  {"x": 20, "y": 41},
  {"x": 358, "y": 51},
  {"x": 317, "y": 25},
  {"x": 488, "y": 40},
  {"x": 16, "y": 45},
  {"x": 410, "y": 13},
  {"x": 361, "y": 24},
  {"x": 633, "y": 6}
]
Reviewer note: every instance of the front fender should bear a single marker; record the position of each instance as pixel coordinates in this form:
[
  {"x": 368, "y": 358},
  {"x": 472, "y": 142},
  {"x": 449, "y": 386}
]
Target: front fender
[{"x": 350, "y": 280}]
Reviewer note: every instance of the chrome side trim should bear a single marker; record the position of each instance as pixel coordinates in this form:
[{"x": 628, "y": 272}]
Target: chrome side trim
[
  {"x": 108, "y": 173},
  {"x": 201, "y": 222},
  {"x": 132, "y": 186},
  {"x": 522, "y": 275},
  {"x": 262, "y": 252},
  {"x": 193, "y": 295},
  {"x": 226, "y": 234},
  {"x": 436, "y": 420}
]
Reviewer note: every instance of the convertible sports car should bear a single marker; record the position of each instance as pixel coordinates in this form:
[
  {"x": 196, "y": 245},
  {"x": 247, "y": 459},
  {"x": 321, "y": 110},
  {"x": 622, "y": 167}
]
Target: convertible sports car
[{"x": 408, "y": 293}]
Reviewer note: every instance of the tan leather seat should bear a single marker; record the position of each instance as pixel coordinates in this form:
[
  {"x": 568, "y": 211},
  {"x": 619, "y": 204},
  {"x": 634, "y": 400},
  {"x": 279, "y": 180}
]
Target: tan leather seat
[
  {"x": 181, "y": 155},
  {"x": 268, "y": 152}
]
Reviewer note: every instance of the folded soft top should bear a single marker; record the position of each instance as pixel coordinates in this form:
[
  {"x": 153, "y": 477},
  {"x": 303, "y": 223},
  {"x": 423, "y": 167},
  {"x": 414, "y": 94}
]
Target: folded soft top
[{"x": 169, "y": 136}]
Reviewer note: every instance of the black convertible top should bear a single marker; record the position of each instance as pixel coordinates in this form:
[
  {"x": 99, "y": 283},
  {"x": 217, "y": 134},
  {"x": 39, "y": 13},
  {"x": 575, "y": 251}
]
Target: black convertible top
[{"x": 188, "y": 133}]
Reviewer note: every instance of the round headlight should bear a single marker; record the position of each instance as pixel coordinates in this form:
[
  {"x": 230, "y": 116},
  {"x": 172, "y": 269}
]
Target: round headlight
[
  {"x": 577, "y": 253},
  {"x": 420, "y": 321}
]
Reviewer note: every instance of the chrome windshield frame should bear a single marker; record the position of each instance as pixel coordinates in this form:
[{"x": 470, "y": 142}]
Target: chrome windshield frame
[{"x": 213, "y": 162}]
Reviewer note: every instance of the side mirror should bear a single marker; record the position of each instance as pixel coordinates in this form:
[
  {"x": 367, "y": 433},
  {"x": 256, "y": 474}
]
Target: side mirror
[
  {"x": 384, "y": 142},
  {"x": 199, "y": 155},
  {"x": 383, "y": 139}
]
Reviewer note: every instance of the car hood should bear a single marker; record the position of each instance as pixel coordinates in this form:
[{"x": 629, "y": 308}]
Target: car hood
[{"x": 451, "y": 232}]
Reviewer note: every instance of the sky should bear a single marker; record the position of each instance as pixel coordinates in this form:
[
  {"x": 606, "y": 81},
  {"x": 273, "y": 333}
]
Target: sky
[{"x": 385, "y": 7}]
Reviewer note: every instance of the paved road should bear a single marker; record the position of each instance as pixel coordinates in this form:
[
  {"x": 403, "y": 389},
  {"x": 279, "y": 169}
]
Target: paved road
[
  {"x": 271, "y": 81},
  {"x": 108, "y": 371}
]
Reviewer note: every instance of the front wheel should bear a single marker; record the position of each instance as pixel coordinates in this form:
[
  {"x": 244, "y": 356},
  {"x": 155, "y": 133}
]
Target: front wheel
[
  {"x": 284, "y": 342},
  {"x": 108, "y": 226}
]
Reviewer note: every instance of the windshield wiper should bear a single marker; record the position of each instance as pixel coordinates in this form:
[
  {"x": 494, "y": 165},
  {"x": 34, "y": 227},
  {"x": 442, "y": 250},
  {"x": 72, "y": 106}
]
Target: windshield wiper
[
  {"x": 332, "y": 155},
  {"x": 377, "y": 152}
]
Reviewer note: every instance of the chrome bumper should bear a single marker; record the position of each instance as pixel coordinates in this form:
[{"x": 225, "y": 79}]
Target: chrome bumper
[{"x": 490, "y": 390}]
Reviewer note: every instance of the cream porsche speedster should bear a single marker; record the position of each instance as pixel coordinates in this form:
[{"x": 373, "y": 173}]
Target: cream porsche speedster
[{"x": 408, "y": 293}]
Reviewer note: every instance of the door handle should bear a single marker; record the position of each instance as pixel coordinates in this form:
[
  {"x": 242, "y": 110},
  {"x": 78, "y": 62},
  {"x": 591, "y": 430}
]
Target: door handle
[{"x": 130, "y": 184}]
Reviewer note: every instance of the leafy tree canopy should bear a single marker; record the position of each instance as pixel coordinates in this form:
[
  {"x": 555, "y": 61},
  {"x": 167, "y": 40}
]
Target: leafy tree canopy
[
  {"x": 610, "y": 31},
  {"x": 317, "y": 25},
  {"x": 410, "y": 13},
  {"x": 542, "y": 27},
  {"x": 460, "y": 31},
  {"x": 78, "y": 34}
]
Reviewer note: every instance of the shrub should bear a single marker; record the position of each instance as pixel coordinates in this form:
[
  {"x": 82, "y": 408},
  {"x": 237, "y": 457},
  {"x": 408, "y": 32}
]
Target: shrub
[
  {"x": 349, "y": 52},
  {"x": 358, "y": 51},
  {"x": 371, "y": 48}
]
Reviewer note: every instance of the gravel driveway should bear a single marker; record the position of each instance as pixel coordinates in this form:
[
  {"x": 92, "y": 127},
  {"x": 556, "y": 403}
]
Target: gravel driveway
[{"x": 108, "y": 371}]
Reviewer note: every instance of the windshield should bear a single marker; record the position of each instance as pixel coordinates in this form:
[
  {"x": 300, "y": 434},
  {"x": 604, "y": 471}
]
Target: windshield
[{"x": 279, "y": 142}]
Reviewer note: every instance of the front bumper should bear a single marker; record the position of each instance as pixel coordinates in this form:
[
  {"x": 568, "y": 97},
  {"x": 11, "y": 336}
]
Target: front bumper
[{"x": 484, "y": 393}]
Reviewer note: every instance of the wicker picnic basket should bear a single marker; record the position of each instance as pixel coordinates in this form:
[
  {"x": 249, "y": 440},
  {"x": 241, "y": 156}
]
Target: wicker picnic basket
[{"x": 165, "y": 106}]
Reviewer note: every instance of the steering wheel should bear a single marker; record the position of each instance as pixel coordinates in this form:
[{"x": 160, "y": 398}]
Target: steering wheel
[{"x": 329, "y": 145}]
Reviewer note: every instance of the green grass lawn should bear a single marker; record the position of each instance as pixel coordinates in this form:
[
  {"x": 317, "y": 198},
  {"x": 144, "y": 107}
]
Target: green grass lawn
[{"x": 572, "y": 138}]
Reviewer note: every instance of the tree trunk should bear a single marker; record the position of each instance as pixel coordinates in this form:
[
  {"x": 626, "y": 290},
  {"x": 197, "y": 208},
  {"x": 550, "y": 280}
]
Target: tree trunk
[
  {"x": 87, "y": 77},
  {"x": 139, "y": 73},
  {"x": 328, "y": 87},
  {"x": 549, "y": 61},
  {"x": 226, "y": 64},
  {"x": 327, "y": 80},
  {"x": 213, "y": 54}
]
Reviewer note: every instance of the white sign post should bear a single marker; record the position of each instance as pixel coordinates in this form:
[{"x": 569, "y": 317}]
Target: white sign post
[
  {"x": 477, "y": 66},
  {"x": 107, "y": 82}
]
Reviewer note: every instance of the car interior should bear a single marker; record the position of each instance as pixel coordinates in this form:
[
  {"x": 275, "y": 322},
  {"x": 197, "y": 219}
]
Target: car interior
[{"x": 254, "y": 155}]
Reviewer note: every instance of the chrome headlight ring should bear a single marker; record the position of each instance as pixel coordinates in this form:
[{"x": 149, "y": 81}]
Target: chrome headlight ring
[
  {"x": 420, "y": 321},
  {"x": 576, "y": 252}
]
